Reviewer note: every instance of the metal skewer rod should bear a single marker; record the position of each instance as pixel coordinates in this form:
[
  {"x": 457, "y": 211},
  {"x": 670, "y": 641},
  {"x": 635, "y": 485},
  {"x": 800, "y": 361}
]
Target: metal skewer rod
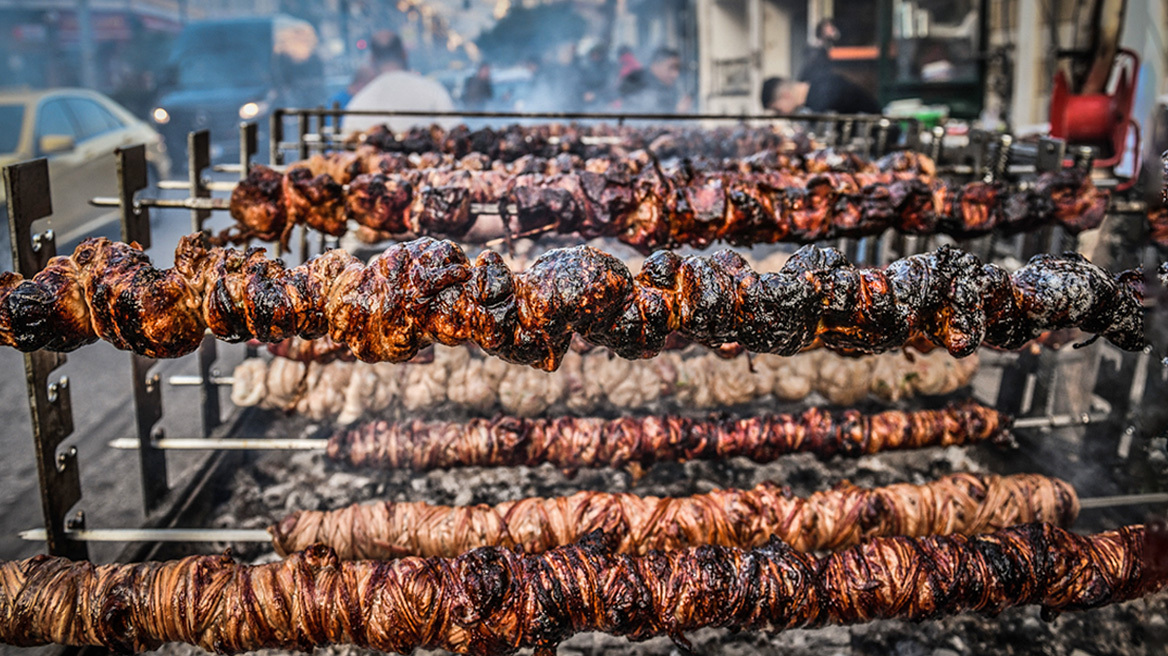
[
  {"x": 177, "y": 203},
  {"x": 1053, "y": 421},
  {"x": 223, "y": 203},
  {"x": 184, "y": 380},
  {"x": 224, "y": 444},
  {"x": 262, "y": 535},
  {"x": 1058, "y": 421},
  {"x": 155, "y": 535},
  {"x": 213, "y": 185},
  {"x": 1124, "y": 500},
  {"x": 284, "y": 444}
]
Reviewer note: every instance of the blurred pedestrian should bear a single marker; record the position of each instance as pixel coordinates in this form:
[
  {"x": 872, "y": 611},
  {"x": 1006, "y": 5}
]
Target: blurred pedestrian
[
  {"x": 826, "y": 91},
  {"x": 478, "y": 91},
  {"x": 341, "y": 98},
  {"x": 556, "y": 84},
  {"x": 362, "y": 77},
  {"x": 628, "y": 62},
  {"x": 817, "y": 57},
  {"x": 657, "y": 89},
  {"x": 596, "y": 84},
  {"x": 396, "y": 88}
]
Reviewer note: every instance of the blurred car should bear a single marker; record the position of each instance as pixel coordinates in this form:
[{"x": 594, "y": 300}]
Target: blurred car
[
  {"x": 224, "y": 71},
  {"x": 77, "y": 130}
]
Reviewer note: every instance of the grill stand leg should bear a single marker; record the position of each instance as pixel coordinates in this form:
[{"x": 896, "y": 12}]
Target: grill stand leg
[
  {"x": 27, "y": 190},
  {"x": 146, "y": 387}
]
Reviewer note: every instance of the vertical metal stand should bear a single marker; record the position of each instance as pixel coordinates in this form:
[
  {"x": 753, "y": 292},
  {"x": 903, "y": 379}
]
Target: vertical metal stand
[
  {"x": 199, "y": 151},
  {"x": 912, "y": 135},
  {"x": 248, "y": 147},
  {"x": 1015, "y": 379},
  {"x": 303, "y": 127},
  {"x": 146, "y": 387},
  {"x": 209, "y": 391},
  {"x": 1109, "y": 443},
  {"x": 975, "y": 152},
  {"x": 27, "y": 189},
  {"x": 199, "y": 160},
  {"x": 276, "y": 137},
  {"x": 937, "y": 145},
  {"x": 1050, "y": 154}
]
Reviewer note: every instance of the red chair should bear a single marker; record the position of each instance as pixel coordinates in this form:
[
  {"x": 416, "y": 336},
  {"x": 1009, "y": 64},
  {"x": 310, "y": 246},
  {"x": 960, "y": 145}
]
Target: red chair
[{"x": 1100, "y": 120}]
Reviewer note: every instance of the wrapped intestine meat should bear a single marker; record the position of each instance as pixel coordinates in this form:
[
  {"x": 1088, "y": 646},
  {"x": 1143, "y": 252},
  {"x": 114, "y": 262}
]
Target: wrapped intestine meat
[{"x": 591, "y": 381}]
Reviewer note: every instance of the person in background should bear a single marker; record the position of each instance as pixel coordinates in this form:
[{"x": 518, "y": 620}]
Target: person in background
[
  {"x": 477, "y": 91},
  {"x": 817, "y": 57},
  {"x": 396, "y": 88},
  {"x": 556, "y": 85},
  {"x": 827, "y": 91},
  {"x": 628, "y": 62},
  {"x": 658, "y": 89},
  {"x": 362, "y": 77},
  {"x": 596, "y": 86}
]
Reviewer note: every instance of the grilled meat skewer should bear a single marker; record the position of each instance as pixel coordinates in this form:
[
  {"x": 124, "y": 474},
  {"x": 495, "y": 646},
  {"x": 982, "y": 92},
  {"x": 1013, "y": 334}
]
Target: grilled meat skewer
[
  {"x": 427, "y": 291},
  {"x": 649, "y": 207},
  {"x": 496, "y": 601},
  {"x": 576, "y": 442},
  {"x": 965, "y": 504}
]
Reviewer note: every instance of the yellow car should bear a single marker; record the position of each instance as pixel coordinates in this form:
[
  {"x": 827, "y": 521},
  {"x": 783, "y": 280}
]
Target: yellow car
[{"x": 78, "y": 131}]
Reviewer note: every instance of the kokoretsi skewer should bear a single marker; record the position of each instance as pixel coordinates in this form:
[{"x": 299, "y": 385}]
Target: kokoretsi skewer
[
  {"x": 648, "y": 206},
  {"x": 496, "y": 601},
  {"x": 575, "y": 442},
  {"x": 962, "y": 503},
  {"x": 426, "y": 291}
]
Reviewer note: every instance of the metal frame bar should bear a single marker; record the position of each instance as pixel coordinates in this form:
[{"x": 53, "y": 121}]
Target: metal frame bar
[
  {"x": 323, "y": 139},
  {"x": 131, "y": 167},
  {"x": 319, "y": 444},
  {"x": 198, "y": 160},
  {"x": 588, "y": 116},
  {"x": 259, "y": 535},
  {"x": 28, "y": 193}
]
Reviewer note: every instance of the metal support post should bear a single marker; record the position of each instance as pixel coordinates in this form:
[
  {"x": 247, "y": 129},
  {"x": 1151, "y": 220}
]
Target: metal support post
[
  {"x": 275, "y": 137},
  {"x": 27, "y": 189},
  {"x": 1050, "y": 154},
  {"x": 146, "y": 388},
  {"x": 199, "y": 155},
  {"x": 248, "y": 146}
]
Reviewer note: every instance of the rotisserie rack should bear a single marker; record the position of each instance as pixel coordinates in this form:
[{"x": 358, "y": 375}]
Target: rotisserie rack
[{"x": 896, "y": 401}]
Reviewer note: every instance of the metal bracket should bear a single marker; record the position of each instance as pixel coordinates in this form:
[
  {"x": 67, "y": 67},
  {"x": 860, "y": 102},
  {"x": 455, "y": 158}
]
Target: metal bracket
[
  {"x": 883, "y": 127},
  {"x": 912, "y": 135},
  {"x": 131, "y": 163},
  {"x": 276, "y": 137},
  {"x": 1116, "y": 374},
  {"x": 148, "y": 407},
  {"x": 1084, "y": 159},
  {"x": 209, "y": 390},
  {"x": 937, "y": 145},
  {"x": 199, "y": 160},
  {"x": 1001, "y": 158},
  {"x": 248, "y": 146},
  {"x": 199, "y": 148},
  {"x": 976, "y": 151},
  {"x": 303, "y": 127},
  {"x": 146, "y": 389},
  {"x": 846, "y": 129},
  {"x": 27, "y": 188},
  {"x": 1050, "y": 154}
]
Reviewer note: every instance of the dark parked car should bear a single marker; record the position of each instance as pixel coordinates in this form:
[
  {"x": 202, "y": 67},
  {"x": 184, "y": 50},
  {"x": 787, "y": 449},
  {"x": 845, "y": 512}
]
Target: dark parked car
[{"x": 222, "y": 72}]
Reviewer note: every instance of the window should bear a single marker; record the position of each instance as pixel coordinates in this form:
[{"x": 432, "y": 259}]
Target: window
[
  {"x": 53, "y": 118},
  {"x": 92, "y": 118},
  {"x": 13, "y": 117}
]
